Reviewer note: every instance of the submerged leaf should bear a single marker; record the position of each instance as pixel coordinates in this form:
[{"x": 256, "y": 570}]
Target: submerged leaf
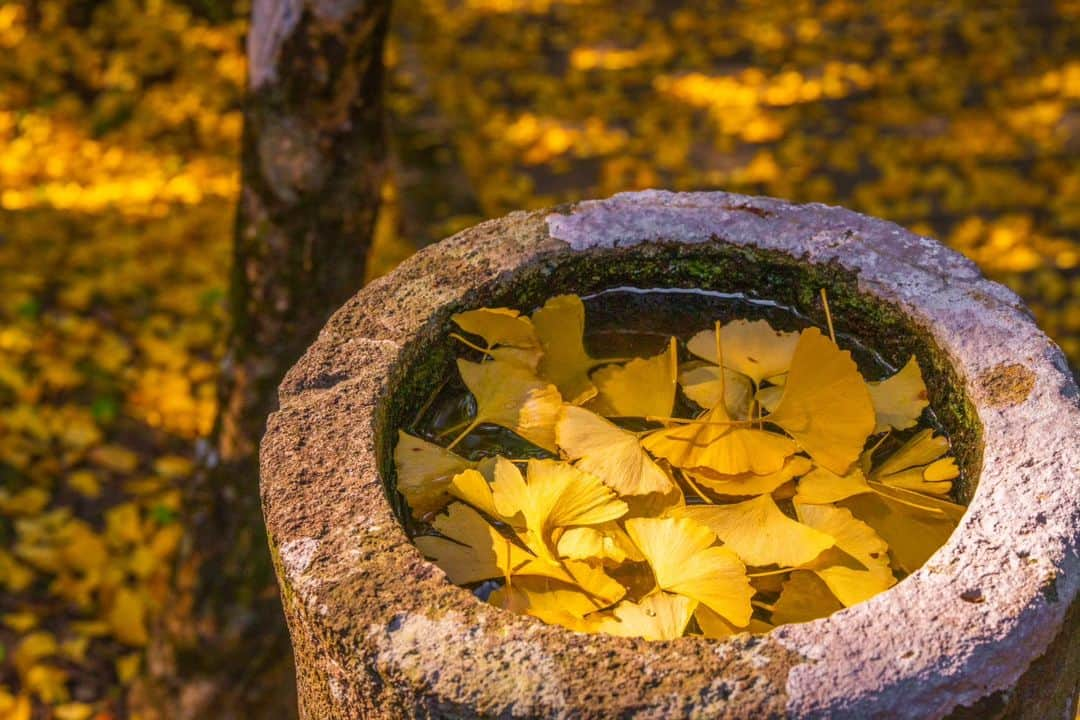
[
  {"x": 804, "y": 597},
  {"x": 607, "y": 451},
  {"x": 826, "y": 406},
  {"x": 857, "y": 539}
]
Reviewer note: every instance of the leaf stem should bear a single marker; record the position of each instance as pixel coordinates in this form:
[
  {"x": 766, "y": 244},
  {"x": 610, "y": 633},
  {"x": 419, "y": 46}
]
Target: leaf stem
[
  {"x": 828, "y": 315},
  {"x": 469, "y": 428},
  {"x": 474, "y": 346}
]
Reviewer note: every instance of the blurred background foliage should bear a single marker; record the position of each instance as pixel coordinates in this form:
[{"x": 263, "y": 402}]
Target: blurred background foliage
[{"x": 119, "y": 132}]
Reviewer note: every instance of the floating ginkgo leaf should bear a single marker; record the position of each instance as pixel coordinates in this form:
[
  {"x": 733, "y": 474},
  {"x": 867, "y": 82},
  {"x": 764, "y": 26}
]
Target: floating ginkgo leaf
[
  {"x": 424, "y": 472},
  {"x": 556, "y": 494},
  {"x": 702, "y": 383},
  {"x": 713, "y": 442},
  {"x": 607, "y": 542},
  {"x": 804, "y": 597},
  {"x": 560, "y": 325},
  {"x": 510, "y": 396},
  {"x": 661, "y": 616},
  {"x": 499, "y": 326},
  {"x": 826, "y": 406},
  {"x": 751, "y": 484},
  {"x": 471, "y": 549},
  {"x": 641, "y": 387},
  {"x": 899, "y": 400},
  {"x": 685, "y": 560},
  {"x": 859, "y": 541},
  {"x": 821, "y": 485},
  {"x": 752, "y": 348},
  {"x": 607, "y": 451},
  {"x": 919, "y": 465},
  {"x": 759, "y": 532}
]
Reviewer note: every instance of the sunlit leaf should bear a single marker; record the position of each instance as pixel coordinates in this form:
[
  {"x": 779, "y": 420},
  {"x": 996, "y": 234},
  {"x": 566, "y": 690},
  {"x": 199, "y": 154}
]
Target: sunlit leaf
[
  {"x": 759, "y": 532},
  {"x": 900, "y": 399},
  {"x": 512, "y": 397},
  {"x": 642, "y": 387},
  {"x": 826, "y": 406},
  {"x": 711, "y": 442},
  {"x": 752, "y": 348},
  {"x": 660, "y": 616},
  {"x": 610, "y": 453},
  {"x": 685, "y": 560}
]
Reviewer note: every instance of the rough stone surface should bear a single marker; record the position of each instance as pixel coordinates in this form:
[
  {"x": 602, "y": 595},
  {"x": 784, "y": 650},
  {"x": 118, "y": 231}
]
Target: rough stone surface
[{"x": 380, "y": 632}]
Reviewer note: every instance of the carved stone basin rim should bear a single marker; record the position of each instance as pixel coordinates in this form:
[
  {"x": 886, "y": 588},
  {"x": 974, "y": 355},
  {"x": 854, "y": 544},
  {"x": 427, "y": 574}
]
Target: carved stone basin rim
[{"x": 380, "y": 632}]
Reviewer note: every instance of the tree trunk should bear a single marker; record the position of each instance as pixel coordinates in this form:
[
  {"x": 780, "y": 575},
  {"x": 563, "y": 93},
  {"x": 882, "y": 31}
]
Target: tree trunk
[{"x": 313, "y": 163}]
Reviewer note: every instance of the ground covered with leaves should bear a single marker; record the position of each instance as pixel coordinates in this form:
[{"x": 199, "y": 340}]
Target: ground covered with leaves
[{"x": 119, "y": 128}]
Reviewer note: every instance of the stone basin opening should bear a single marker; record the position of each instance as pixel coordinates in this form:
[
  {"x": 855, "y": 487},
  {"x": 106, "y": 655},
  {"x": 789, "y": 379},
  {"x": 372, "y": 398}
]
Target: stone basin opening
[
  {"x": 770, "y": 276},
  {"x": 984, "y": 628}
]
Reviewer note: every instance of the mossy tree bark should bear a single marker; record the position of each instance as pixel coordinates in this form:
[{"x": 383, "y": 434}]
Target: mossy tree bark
[{"x": 313, "y": 163}]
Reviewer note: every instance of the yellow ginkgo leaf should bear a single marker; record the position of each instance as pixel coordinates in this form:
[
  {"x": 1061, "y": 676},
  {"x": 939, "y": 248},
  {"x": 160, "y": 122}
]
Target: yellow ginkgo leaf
[
  {"x": 610, "y": 453},
  {"x": 716, "y": 627},
  {"x": 711, "y": 442},
  {"x": 804, "y": 597},
  {"x": 424, "y": 471},
  {"x": 660, "y": 616},
  {"x": 899, "y": 400},
  {"x": 857, "y": 539},
  {"x": 471, "y": 549},
  {"x": 602, "y": 542},
  {"x": 826, "y": 406},
  {"x": 560, "y": 325},
  {"x": 654, "y": 504},
  {"x": 919, "y": 465},
  {"x": 752, "y": 348},
  {"x": 684, "y": 560},
  {"x": 640, "y": 388},
  {"x": 751, "y": 484},
  {"x": 512, "y": 397},
  {"x": 759, "y": 532},
  {"x": 912, "y": 536},
  {"x": 545, "y": 598},
  {"x": 702, "y": 384},
  {"x": 556, "y": 494},
  {"x": 499, "y": 326},
  {"x": 821, "y": 486},
  {"x": 473, "y": 488}
]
